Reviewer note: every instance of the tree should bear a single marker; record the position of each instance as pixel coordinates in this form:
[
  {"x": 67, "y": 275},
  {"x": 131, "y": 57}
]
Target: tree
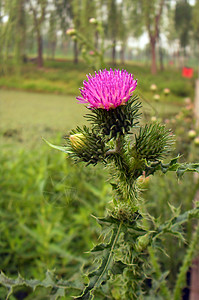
[
  {"x": 152, "y": 15},
  {"x": 64, "y": 16},
  {"x": 1, "y": 30},
  {"x": 38, "y": 9},
  {"x": 148, "y": 14},
  {"x": 183, "y": 16},
  {"x": 13, "y": 31},
  {"x": 195, "y": 20},
  {"x": 76, "y": 14},
  {"x": 123, "y": 30},
  {"x": 20, "y": 31},
  {"x": 52, "y": 33}
]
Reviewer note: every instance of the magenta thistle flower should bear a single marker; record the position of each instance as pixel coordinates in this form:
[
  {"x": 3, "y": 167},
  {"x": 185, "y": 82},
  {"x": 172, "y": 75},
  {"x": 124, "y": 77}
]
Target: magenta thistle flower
[{"x": 107, "y": 89}]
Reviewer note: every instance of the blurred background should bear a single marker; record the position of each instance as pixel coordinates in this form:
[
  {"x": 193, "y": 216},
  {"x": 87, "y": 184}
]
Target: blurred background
[{"x": 46, "y": 49}]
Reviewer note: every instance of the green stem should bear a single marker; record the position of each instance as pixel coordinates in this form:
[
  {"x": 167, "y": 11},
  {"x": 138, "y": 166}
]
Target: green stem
[
  {"x": 97, "y": 276},
  {"x": 110, "y": 256},
  {"x": 181, "y": 279}
]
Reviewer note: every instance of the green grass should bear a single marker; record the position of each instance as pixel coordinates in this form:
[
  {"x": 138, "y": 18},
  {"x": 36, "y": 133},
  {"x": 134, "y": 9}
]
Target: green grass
[
  {"x": 27, "y": 117},
  {"x": 46, "y": 205},
  {"x": 64, "y": 77}
]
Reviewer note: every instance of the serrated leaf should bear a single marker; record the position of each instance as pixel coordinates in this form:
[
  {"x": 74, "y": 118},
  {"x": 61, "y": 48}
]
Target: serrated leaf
[
  {"x": 48, "y": 282},
  {"x": 192, "y": 167},
  {"x": 108, "y": 220},
  {"x": 173, "y": 226},
  {"x": 173, "y": 165},
  {"x": 100, "y": 247}
]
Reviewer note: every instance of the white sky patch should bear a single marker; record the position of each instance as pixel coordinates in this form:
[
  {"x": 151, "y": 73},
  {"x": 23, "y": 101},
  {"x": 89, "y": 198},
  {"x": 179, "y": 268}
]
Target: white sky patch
[
  {"x": 5, "y": 19},
  {"x": 140, "y": 42}
]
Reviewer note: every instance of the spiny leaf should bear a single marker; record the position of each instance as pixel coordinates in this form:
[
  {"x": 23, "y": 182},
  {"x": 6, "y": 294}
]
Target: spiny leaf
[
  {"x": 100, "y": 247},
  {"x": 108, "y": 220},
  {"x": 173, "y": 226},
  {"x": 48, "y": 282},
  {"x": 173, "y": 165}
]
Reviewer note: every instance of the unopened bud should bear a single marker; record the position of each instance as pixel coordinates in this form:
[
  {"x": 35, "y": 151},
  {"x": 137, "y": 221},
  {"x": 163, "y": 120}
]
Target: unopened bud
[
  {"x": 83, "y": 50},
  {"x": 196, "y": 141},
  {"x": 156, "y": 97},
  {"x": 153, "y": 87},
  {"x": 192, "y": 134},
  {"x": 77, "y": 140},
  {"x": 166, "y": 91},
  {"x": 153, "y": 119},
  {"x": 71, "y": 31},
  {"x": 93, "y": 21},
  {"x": 142, "y": 242}
]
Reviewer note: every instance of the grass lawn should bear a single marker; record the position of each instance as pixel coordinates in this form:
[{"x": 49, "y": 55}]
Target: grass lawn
[
  {"x": 27, "y": 117},
  {"x": 65, "y": 77}
]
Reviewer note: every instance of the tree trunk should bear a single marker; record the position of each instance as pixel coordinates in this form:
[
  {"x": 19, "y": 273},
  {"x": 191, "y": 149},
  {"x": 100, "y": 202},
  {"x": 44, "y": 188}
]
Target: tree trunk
[
  {"x": 122, "y": 52},
  {"x": 114, "y": 52},
  {"x": 161, "y": 55},
  {"x": 153, "y": 57},
  {"x": 194, "y": 290},
  {"x": 75, "y": 49},
  {"x": 53, "y": 48},
  {"x": 96, "y": 40},
  {"x": 39, "y": 51}
]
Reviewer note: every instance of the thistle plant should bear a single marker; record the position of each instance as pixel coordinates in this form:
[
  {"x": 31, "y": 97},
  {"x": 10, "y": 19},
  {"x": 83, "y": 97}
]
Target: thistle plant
[
  {"x": 125, "y": 262},
  {"x": 117, "y": 141}
]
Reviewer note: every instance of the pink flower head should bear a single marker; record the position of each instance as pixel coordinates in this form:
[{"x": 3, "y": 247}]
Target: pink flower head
[{"x": 107, "y": 89}]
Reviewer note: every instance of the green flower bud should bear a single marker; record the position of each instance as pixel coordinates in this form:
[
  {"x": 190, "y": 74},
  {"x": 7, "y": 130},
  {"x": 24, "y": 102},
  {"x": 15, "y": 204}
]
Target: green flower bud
[
  {"x": 196, "y": 141},
  {"x": 166, "y": 91},
  {"x": 77, "y": 140},
  {"x": 125, "y": 212},
  {"x": 153, "y": 87},
  {"x": 156, "y": 97},
  {"x": 192, "y": 134},
  {"x": 86, "y": 146},
  {"x": 153, "y": 142},
  {"x": 93, "y": 21},
  {"x": 142, "y": 242},
  {"x": 84, "y": 50},
  {"x": 71, "y": 31}
]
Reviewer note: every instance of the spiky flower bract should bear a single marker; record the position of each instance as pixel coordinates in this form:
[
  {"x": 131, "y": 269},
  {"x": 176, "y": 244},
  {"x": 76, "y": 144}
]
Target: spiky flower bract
[
  {"x": 107, "y": 89},
  {"x": 153, "y": 142},
  {"x": 116, "y": 122},
  {"x": 85, "y": 145}
]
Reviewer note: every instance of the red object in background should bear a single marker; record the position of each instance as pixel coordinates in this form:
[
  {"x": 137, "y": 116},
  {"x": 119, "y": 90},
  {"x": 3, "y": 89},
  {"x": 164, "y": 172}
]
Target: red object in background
[{"x": 187, "y": 72}]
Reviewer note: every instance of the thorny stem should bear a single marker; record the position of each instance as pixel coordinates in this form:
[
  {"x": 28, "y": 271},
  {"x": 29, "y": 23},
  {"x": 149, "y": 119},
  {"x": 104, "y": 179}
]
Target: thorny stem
[
  {"x": 118, "y": 147},
  {"x": 181, "y": 280}
]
